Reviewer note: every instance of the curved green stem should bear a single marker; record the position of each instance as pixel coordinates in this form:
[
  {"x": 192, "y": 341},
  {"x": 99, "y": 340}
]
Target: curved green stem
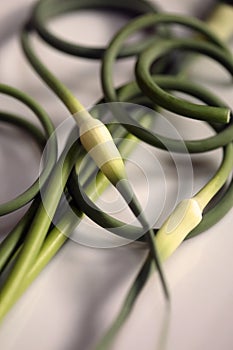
[
  {"x": 170, "y": 102},
  {"x": 13, "y": 239},
  {"x": 37, "y": 231},
  {"x": 55, "y": 84},
  {"x": 218, "y": 180},
  {"x": 50, "y": 156}
]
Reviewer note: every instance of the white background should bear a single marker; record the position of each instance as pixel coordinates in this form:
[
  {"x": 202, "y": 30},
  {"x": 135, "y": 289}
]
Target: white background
[{"x": 75, "y": 299}]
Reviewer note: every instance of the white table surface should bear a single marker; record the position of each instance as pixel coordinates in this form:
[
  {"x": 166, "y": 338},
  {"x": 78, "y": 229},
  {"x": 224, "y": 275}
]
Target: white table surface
[{"x": 77, "y": 296}]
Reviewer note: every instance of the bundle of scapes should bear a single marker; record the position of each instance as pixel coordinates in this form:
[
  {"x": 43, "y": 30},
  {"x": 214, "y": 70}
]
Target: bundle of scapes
[
  {"x": 31, "y": 246},
  {"x": 93, "y": 135}
]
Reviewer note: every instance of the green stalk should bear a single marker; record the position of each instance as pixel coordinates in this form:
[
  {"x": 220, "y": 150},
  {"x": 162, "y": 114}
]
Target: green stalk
[
  {"x": 51, "y": 154},
  {"x": 16, "y": 236},
  {"x": 204, "y": 196},
  {"x": 167, "y": 100},
  {"x": 135, "y": 207},
  {"x": 64, "y": 94},
  {"x": 37, "y": 231},
  {"x": 11, "y": 242}
]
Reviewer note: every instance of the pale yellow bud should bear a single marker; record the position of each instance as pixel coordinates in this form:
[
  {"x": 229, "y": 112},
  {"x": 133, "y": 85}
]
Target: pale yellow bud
[
  {"x": 221, "y": 21},
  {"x": 98, "y": 142},
  {"x": 179, "y": 224}
]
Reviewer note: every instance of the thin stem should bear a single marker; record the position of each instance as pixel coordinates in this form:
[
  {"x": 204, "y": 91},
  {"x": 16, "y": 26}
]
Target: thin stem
[
  {"x": 130, "y": 198},
  {"x": 16, "y": 236},
  {"x": 55, "y": 84},
  {"x": 214, "y": 185},
  {"x": 37, "y": 232}
]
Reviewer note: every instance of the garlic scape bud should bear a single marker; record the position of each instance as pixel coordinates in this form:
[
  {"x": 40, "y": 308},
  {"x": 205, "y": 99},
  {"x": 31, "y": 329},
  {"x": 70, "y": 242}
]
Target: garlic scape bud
[
  {"x": 221, "y": 20},
  {"x": 98, "y": 142},
  {"x": 188, "y": 214},
  {"x": 185, "y": 217}
]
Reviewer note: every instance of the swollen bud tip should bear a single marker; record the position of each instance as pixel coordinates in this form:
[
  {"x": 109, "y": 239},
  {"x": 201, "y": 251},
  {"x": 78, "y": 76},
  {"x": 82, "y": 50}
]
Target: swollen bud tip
[
  {"x": 97, "y": 141},
  {"x": 185, "y": 217}
]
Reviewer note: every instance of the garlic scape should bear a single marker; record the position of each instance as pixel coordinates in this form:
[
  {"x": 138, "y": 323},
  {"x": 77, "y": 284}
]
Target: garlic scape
[
  {"x": 188, "y": 213},
  {"x": 97, "y": 141},
  {"x": 185, "y": 217}
]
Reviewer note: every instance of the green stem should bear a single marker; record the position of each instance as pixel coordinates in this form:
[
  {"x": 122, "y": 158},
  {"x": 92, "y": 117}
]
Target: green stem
[
  {"x": 37, "y": 231},
  {"x": 13, "y": 239},
  {"x": 64, "y": 94},
  {"x": 51, "y": 154},
  {"x": 16, "y": 236},
  {"x": 167, "y": 100},
  {"x": 218, "y": 180}
]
